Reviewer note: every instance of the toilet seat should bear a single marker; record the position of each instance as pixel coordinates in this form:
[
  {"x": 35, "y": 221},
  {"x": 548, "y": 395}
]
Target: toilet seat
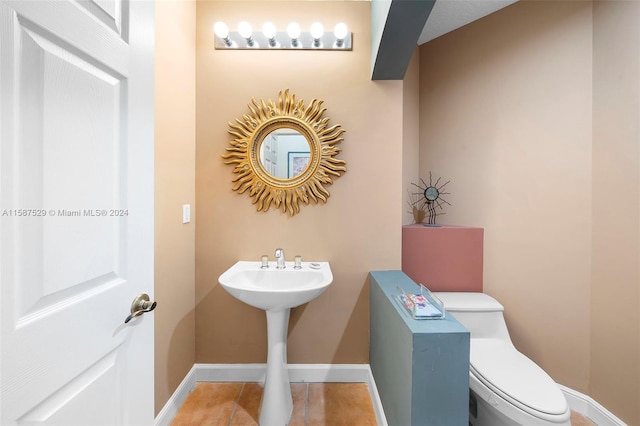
[{"x": 514, "y": 377}]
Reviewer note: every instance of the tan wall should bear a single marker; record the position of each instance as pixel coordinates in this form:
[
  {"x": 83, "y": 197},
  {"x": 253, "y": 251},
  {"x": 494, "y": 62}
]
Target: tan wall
[
  {"x": 175, "y": 186},
  {"x": 615, "y": 303},
  {"x": 526, "y": 113},
  {"x": 410, "y": 135},
  {"x": 358, "y": 230},
  {"x": 506, "y": 115}
]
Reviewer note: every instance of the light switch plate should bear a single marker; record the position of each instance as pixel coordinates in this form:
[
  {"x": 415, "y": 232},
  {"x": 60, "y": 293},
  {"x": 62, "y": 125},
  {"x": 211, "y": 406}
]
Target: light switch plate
[{"x": 186, "y": 213}]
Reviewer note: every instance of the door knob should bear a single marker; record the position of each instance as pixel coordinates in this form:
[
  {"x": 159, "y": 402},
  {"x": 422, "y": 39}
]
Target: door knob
[{"x": 139, "y": 306}]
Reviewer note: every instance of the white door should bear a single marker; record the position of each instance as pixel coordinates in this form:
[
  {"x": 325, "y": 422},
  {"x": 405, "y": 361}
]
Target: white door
[{"x": 76, "y": 211}]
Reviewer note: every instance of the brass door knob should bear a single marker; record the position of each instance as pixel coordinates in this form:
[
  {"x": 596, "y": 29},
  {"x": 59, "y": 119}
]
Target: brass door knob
[{"x": 139, "y": 306}]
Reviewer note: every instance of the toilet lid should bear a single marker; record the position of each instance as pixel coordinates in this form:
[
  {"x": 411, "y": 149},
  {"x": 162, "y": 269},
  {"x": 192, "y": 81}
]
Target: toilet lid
[{"x": 515, "y": 377}]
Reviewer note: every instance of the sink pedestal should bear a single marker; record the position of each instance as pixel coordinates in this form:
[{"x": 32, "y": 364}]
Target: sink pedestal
[{"x": 277, "y": 403}]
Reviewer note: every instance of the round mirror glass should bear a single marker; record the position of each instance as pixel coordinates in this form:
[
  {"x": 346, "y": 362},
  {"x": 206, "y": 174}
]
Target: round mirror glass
[
  {"x": 431, "y": 193},
  {"x": 284, "y": 153}
]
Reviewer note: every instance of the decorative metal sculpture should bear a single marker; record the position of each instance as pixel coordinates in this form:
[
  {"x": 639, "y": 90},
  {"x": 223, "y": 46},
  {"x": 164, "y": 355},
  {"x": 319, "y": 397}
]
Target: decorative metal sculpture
[
  {"x": 263, "y": 186},
  {"x": 425, "y": 202}
]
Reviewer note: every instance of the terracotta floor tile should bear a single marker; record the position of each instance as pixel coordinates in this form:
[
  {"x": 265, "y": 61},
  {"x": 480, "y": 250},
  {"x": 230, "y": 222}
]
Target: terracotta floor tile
[
  {"x": 578, "y": 419},
  {"x": 314, "y": 404},
  {"x": 247, "y": 412},
  {"x": 208, "y": 404},
  {"x": 299, "y": 394},
  {"x": 338, "y": 404}
]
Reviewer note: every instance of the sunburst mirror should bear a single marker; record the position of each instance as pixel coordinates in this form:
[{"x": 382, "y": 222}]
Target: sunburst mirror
[{"x": 284, "y": 153}]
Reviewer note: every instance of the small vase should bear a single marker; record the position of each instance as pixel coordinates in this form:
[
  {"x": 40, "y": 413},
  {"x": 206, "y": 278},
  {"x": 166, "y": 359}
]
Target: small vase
[{"x": 418, "y": 215}]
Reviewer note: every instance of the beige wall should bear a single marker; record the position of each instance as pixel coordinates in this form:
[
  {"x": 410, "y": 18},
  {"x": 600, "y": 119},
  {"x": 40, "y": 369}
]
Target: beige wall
[
  {"x": 358, "y": 230},
  {"x": 410, "y": 135},
  {"x": 615, "y": 303},
  {"x": 526, "y": 113},
  {"x": 175, "y": 186}
]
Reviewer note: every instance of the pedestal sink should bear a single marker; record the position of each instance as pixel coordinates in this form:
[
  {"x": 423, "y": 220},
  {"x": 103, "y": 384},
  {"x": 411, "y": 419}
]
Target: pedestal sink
[{"x": 276, "y": 291}]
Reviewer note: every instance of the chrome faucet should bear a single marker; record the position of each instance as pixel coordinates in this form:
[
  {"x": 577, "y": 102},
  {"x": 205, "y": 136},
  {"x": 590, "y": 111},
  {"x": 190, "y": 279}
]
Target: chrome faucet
[{"x": 279, "y": 258}]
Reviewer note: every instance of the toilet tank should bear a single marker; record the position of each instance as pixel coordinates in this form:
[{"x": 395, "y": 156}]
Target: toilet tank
[{"x": 480, "y": 313}]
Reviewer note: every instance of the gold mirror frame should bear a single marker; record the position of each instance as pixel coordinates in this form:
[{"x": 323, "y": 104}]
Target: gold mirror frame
[{"x": 264, "y": 188}]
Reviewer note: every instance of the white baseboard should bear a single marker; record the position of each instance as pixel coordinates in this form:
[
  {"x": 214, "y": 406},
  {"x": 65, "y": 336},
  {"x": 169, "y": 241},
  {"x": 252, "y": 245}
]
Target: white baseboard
[
  {"x": 174, "y": 403},
  {"x": 316, "y": 373},
  {"x": 590, "y": 408}
]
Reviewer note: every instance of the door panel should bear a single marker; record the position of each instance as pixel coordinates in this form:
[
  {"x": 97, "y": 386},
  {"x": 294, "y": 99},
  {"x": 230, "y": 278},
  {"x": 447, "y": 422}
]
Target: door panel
[
  {"x": 76, "y": 210},
  {"x": 74, "y": 192},
  {"x": 79, "y": 400}
]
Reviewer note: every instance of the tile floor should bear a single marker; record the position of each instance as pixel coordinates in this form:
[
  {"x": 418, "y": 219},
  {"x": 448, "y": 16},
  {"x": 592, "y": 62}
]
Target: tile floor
[
  {"x": 580, "y": 420},
  {"x": 314, "y": 404}
]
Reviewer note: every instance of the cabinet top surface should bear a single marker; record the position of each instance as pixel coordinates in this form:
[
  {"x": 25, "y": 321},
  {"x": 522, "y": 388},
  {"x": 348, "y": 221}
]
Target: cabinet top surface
[
  {"x": 390, "y": 281},
  {"x": 438, "y": 227}
]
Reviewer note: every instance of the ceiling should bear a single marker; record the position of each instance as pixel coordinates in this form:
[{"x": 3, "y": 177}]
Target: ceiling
[
  {"x": 398, "y": 26},
  {"x": 448, "y": 15}
]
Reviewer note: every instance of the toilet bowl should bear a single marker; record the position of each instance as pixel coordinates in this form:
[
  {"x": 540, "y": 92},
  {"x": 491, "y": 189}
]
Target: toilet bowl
[{"x": 506, "y": 387}]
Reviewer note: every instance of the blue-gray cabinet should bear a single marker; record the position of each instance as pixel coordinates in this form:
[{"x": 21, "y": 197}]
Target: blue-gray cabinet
[{"x": 421, "y": 367}]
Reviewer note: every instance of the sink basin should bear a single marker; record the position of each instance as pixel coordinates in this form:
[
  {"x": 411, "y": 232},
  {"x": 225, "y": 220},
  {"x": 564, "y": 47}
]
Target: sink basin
[{"x": 272, "y": 288}]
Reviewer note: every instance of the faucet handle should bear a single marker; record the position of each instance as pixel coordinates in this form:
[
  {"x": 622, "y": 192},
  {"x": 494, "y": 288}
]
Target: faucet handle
[
  {"x": 298, "y": 262},
  {"x": 265, "y": 261}
]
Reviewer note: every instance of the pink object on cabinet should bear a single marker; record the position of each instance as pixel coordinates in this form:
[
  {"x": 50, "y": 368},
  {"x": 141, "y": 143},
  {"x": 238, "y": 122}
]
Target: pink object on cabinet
[{"x": 444, "y": 257}]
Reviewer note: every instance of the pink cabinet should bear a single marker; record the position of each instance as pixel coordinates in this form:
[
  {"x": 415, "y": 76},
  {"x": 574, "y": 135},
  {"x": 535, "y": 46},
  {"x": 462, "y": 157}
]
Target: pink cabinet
[{"x": 444, "y": 257}]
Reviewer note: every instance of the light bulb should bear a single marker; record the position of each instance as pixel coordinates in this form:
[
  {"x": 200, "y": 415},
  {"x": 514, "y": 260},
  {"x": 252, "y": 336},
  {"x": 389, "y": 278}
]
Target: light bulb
[
  {"x": 340, "y": 30},
  {"x": 317, "y": 30},
  {"x": 245, "y": 29},
  {"x": 221, "y": 29},
  {"x": 269, "y": 30},
  {"x": 293, "y": 29}
]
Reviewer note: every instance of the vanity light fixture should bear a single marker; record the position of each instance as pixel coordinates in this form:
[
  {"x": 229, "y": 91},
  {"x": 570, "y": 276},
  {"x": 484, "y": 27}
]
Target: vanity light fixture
[
  {"x": 293, "y": 31},
  {"x": 293, "y": 38},
  {"x": 269, "y": 31},
  {"x": 340, "y": 32},
  {"x": 317, "y": 31},
  {"x": 222, "y": 31},
  {"x": 245, "y": 31}
]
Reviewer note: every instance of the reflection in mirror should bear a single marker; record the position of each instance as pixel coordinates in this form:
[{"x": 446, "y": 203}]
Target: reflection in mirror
[{"x": 284, "y": 153}]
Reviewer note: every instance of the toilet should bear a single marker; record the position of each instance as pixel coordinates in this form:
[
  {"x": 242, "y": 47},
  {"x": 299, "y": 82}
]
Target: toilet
[{"x": 506, "y": 387}]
